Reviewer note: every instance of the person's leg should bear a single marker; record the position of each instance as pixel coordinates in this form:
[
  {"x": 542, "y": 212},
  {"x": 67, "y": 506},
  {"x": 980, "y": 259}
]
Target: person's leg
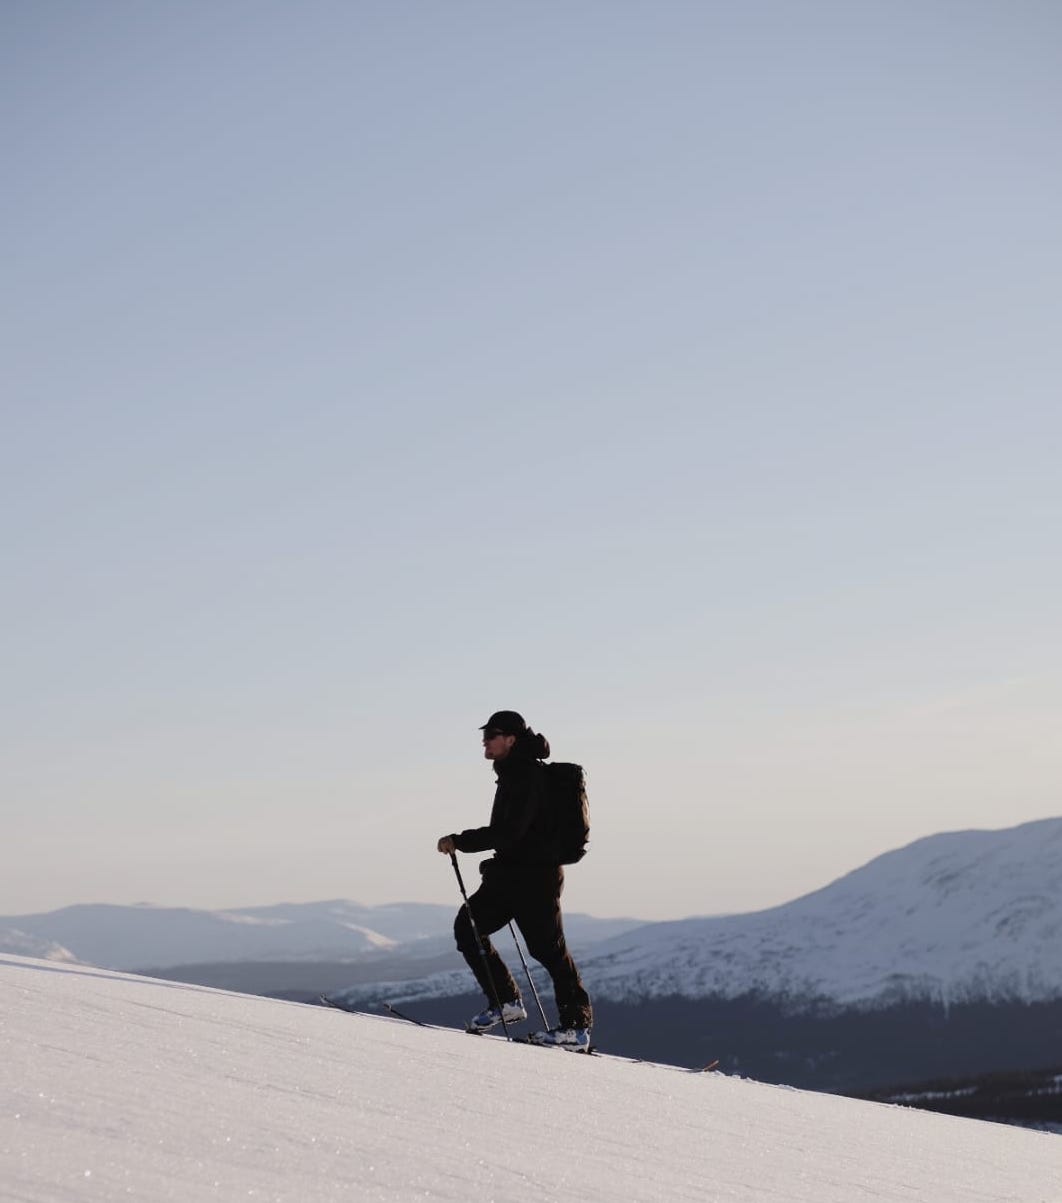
[
  {"x": 538, "y": 915},
  {"x": 490, "y": 909}
]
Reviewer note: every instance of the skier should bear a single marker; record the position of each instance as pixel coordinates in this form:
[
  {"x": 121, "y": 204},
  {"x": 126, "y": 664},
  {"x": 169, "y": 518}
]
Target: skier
[{"x": 522, "y": 882}]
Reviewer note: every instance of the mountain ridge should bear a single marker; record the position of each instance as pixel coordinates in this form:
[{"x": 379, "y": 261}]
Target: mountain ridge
[
  {"x": 145, "y": 936},
  {"x": 949, "y": 918}
]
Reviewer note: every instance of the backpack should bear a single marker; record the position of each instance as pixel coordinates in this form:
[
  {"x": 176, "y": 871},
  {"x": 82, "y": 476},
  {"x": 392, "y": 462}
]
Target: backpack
[{"x": 569, "y": 811}]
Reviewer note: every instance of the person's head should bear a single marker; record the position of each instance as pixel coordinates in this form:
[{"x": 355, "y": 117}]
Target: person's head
[{"x": 500, "y": 733}]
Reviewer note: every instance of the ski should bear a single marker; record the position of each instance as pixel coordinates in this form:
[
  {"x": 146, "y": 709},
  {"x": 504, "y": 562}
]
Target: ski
[
  {"x": 589, "y": 1051},
  {"x": 326, "y": 1001},
  {"x": 408, "y": 1018},
  {"x": 592, "y": 1051}
]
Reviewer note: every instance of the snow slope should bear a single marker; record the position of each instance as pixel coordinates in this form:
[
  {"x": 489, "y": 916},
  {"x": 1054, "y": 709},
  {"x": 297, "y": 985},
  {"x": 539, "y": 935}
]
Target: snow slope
[{"x": 117, "y": 1087}]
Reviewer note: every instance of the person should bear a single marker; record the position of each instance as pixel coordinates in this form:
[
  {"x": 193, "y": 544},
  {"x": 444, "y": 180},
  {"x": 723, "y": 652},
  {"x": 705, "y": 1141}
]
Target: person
[{"x": 521, "y": 882}]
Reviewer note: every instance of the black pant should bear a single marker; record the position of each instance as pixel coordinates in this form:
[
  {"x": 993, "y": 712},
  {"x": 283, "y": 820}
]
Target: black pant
[{"x": 530, "y": 896}]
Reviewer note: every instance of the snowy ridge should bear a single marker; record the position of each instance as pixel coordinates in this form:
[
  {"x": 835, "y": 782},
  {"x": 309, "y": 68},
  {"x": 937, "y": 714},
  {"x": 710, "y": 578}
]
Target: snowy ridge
[
  {"x": 117, "y": 1087},
  {"x": 137, "y": 937},
  {"x": 26, "y": 944},
  {"x": 952, "y": 918},
  {"x": 154, "y": 938}
]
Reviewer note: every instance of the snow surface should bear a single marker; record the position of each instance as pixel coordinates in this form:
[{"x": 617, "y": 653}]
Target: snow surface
[{"x": 118, "y": 1087}]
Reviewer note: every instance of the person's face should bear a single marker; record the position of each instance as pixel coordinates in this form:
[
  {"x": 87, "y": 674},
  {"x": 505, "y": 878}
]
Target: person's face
[{"x": 497, "y": 746}]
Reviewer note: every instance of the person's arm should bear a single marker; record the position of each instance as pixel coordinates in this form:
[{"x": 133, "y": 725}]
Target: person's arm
[
  {"x": 475, "y": 839},
  {"x": 515, "y": 809}
]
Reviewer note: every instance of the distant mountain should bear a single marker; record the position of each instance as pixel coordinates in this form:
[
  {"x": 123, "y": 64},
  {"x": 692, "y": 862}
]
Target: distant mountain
[
  {"x": 132, "y": 937},
  {"x": 24, "y": 944},
  {"x": 149, "y": 937},
  {"x": 961, "y": 917}
]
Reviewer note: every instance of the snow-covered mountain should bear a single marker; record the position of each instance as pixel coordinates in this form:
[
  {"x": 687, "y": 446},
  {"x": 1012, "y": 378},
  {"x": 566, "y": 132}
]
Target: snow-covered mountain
[
  {"x": 119, "y": 1087},
  {"x": 27, "y": 945},
  {"x": 959, "y": 917},
  {"x": 136, "y": 937},
  {"x": 951, "y": 918},
  {"x": 149, "y": 937}
]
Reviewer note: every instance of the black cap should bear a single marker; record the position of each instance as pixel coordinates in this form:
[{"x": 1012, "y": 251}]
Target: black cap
[{"x": 506, "y": 722}]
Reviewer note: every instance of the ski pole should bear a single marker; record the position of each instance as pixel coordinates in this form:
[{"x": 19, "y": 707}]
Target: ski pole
[
  {"x": 480, "y": 945},
  {"x": 530, "y": 979}
]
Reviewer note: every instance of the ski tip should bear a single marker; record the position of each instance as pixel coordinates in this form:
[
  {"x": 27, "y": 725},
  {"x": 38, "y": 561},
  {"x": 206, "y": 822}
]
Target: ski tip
[{"x": 324, "y": 1001}]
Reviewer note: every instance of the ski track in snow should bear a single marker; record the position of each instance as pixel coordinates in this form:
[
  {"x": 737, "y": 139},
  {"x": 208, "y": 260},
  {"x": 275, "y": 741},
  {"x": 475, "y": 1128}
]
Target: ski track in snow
[{"x": 118, "y": 1087}]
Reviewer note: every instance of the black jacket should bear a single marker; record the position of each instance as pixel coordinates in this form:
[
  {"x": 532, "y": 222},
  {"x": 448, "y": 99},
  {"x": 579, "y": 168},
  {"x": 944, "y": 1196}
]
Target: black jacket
[{"x": 519, "y": 825}]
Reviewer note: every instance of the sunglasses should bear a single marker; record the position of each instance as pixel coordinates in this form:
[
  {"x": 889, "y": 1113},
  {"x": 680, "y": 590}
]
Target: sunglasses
[{"x": 488, "y": 735}]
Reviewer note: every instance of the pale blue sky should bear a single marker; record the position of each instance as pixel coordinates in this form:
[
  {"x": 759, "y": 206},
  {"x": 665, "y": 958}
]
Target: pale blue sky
[{"x": 683, "y": 375}]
